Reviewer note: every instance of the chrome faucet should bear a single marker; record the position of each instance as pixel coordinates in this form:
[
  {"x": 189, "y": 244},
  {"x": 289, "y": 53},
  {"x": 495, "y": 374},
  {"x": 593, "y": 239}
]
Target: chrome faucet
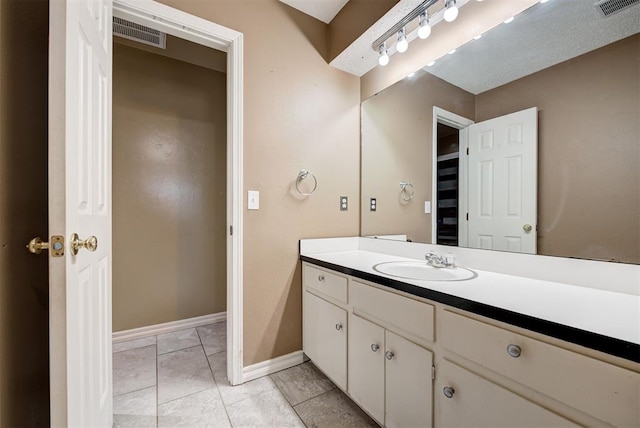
[{"x": 440, "y": 261}]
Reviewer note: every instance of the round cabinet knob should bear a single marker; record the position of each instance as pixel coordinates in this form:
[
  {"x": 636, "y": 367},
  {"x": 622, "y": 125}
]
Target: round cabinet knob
[
  {"x": 514, "y": 350},
  {"x": 338, "y": 326},
  {"x": 448, "y": 391},
  {"x": 527, "y": 228},
  {"x": 320, "y": 278},
  {"x": 375, "y": 347},
  {"x": 389, "y": 355}
]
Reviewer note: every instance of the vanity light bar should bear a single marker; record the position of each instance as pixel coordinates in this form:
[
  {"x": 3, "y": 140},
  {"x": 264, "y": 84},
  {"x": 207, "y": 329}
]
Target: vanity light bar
[{"x": 421, "y": 8}]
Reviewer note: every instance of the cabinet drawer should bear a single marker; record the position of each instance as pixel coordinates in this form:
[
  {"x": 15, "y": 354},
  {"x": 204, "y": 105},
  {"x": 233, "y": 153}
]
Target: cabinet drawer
[
  {"x": 326, "y": 282},
  {"x": 408, "y": 315},
  {"x": 605, "y": 391},
  {"x": 464, "y": 399}
]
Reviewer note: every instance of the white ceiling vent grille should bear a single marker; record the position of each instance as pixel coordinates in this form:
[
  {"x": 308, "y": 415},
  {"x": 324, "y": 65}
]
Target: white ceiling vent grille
[
  {"x": 609, "y": 7},
  {"x": 139, "y": 33}
]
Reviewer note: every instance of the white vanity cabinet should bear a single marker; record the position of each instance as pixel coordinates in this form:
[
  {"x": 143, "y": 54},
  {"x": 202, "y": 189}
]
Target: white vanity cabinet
[
  {"x": 607, "y": 392},
  {"x": 389, "y": 376},
  {"x": 325, "y": 322},
  {"x": 382, "y": 347},
  {"x": 389, "y": 373}
]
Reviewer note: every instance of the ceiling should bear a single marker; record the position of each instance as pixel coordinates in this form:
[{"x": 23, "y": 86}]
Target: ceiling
[
  {"x": 323, "y": 10},
  {"x": 540, "y": 37},
  {"x": 552, "y": 32}
]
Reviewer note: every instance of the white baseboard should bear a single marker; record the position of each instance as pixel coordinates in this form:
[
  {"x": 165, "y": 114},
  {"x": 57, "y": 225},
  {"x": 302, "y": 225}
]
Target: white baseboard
[
  {"x": 167, "y": 327},
  {"x": 268, "y": 367}
]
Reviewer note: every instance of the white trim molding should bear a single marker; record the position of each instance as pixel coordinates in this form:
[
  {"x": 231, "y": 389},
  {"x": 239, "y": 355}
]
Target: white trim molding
[
  {"x": 273, "y": 365},
  {"x": 189, "y": 27},
  {"x": 168, "y": 327}
]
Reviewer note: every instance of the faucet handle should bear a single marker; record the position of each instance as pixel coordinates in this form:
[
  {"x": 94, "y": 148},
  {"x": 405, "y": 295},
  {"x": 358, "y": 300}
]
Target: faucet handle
[{"x": 449, "y": 260}]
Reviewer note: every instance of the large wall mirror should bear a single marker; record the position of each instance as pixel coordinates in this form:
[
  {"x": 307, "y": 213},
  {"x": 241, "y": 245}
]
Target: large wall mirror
[{"x": 535, "y": 126}]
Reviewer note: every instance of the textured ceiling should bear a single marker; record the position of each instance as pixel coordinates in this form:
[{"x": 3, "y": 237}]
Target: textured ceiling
[
  {"x": 542, "y": 36},
  {"x": 324, "y": 10}
]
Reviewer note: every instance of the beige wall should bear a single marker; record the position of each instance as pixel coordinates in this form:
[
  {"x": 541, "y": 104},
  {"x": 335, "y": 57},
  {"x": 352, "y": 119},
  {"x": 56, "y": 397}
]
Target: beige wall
[
  {"x": 588, "y": 148},
  {"x": 397, "y": 133},
  {"x": 354, "y": 19},
  {"x": 298, "y": 113},
  {"x": 24, "y": 332},
  {"x": 183, "y": 50},
  {"x": 169, "y": 189}
]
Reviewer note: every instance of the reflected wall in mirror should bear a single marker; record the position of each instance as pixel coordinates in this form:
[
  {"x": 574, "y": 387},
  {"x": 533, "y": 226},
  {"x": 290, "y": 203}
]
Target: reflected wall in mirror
[{"x": 588, "y": 184}]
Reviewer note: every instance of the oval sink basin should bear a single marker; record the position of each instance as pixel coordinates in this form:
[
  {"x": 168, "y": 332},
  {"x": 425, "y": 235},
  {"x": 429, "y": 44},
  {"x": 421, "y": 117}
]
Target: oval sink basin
[{"x": 422, "y": 271}]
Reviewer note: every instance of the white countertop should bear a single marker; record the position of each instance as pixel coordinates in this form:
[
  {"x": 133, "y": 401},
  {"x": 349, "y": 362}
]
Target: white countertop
[{"x": 608, "y": 313}]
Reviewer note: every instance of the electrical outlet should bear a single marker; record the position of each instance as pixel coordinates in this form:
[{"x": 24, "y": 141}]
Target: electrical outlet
[
  {"x": 344, "y": 203},
  {"x": 372, "y": 204}
]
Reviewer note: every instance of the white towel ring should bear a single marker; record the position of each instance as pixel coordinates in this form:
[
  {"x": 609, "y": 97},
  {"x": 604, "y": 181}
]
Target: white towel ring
[
  {"x": 405, "y": 193},
  {"x": 302, "y": 175}
]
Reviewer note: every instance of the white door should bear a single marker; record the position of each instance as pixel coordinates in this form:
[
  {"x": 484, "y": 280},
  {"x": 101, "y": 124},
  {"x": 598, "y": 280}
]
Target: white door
[
  {"x": 503, "y": 159},
  {"x": 80, "y": 203}
]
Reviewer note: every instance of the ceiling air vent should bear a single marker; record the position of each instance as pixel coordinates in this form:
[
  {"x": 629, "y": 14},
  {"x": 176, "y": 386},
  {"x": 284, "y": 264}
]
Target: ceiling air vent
[
  {"x": 139, "y": 33},
  {"x": 609, "y": 7}
]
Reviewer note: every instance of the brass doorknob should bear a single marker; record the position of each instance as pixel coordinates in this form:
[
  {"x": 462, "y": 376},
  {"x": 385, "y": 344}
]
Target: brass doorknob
[
  {"x": 527, "y": 228},
  {"x": 36, "y": 245},
  {"x": 90, "y": 243},
  {"x": 56, "y": 246}
]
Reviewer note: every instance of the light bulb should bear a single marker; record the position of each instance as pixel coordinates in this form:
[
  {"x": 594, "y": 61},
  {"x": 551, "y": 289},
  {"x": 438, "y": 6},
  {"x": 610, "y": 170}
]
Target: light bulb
[
  {"x": 424, "y": 29},
  {"x": 383, "y": 59},
  {"x": 451, "y": 12},
  {"x": 479, "y": 36},
  {"x": 543, "y": 1},
  {"x": 509, "y": 20},
  {"x": 431, "y": 64},
  {"x": 402, "y": 44}
]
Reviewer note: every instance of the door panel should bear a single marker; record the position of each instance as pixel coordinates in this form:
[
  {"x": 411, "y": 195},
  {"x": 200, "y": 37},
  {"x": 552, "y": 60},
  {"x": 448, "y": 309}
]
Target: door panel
[
  {"x": 503, "y": 183},
  {"x": 409, "y": 387},
  {"x": 80, "y": 202},
  {"x": 366, "y": 366},
  {"x": 325, "y": 337}
]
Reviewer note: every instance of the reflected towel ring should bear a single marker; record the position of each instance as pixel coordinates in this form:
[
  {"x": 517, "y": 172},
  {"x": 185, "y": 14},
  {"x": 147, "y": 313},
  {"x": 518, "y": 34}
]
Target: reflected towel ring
[
  {"x": 404, "y": 191},
  {"x": 303, "y": 174}
]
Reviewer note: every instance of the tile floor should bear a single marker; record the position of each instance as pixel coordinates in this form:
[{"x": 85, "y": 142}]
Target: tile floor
[{"x": 179, "y": 380}]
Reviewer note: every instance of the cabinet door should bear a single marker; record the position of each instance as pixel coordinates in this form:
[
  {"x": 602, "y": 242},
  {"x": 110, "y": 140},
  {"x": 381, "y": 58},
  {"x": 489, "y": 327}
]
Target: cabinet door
[
  {"x": 409, "y": 388},
  {"x": 366, "y": 366},
  {"x": 473, "y": 401},
  {"x": 325, "y": 337}
]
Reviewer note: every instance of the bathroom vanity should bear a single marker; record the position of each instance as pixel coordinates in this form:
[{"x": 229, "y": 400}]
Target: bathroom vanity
[{"x": 493, "y": 350}]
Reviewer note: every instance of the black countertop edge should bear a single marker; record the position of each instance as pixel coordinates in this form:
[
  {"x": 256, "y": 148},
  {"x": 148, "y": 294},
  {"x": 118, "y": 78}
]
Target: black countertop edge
[{"x": 609, "y": 345}]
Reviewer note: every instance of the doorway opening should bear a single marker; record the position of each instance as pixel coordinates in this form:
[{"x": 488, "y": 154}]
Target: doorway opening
[
  {"x": 450, "y": 143},
  {"x": 169, "y": 201},
  {"x": 447, "y": 167},
  {"x": 207, "y": 35}
]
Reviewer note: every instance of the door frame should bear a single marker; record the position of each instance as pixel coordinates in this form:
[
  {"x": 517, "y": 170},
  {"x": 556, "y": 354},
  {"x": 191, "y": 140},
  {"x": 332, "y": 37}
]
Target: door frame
[
  {"x": 462, "y": 123},
  {"x": 185, "y": 26}
]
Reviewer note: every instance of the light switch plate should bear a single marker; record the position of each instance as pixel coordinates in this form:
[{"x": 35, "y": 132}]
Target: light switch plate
[
  {"x": 427, "y": 207},
  {"x": 253, "y": 200}
]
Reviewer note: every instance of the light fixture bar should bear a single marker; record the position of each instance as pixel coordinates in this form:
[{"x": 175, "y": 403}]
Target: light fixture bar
[{"x": 403, "y": 23}]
